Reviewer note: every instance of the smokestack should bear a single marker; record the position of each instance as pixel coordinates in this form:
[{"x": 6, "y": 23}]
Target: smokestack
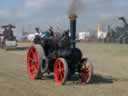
[{"x": 72, "y": 19}]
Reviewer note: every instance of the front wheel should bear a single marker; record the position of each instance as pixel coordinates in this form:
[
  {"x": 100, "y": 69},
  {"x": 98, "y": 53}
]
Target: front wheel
[{"x": 60, "y": 71}]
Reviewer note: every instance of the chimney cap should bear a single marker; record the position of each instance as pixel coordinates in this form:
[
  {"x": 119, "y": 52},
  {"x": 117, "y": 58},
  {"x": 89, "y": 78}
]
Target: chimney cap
[{"x": 72, "y": 17}]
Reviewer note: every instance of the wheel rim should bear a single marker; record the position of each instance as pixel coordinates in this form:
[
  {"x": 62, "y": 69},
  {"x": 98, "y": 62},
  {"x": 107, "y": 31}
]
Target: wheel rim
[
  {"x": 32, "y": 63},
  {"x": 88, "y": 73},
  {"x": 59, "y": 72},
  {"x": 85, "y": 74}
]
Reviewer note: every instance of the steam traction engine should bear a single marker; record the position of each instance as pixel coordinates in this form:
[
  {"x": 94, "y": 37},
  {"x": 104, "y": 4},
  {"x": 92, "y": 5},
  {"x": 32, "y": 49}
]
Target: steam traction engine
[
  {"x": 8, "y": 40},
  {"x": 60, "y": 57},
  {"x": 119, "y": 34}
]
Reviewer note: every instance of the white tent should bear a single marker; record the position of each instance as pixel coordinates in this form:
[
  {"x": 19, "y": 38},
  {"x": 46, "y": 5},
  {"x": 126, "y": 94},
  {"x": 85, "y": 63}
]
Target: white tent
[{"x": 84, "y": 35}]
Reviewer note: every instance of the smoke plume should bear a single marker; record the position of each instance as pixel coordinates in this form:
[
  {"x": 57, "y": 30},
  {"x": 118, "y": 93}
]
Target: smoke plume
[{"x": 75, "y": 7}]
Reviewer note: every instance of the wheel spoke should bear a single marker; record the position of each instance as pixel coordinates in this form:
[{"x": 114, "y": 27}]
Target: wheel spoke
[
  {"x": 36, "y": 66},
  {"x": 62, "y": 69},
  {"x": 34, "y": 71},
  {"x": 61, "y": 76},
  {"x": 57, "y": 67},
  {"x": 35, "y": 56},
  {"x": 87, "y": 69},
  {"x": 32, "y": 52},
  {"x": 59, "y": 64},
  {"x": 30, "y": 58},
  {"x": 32, "y": 67},
  {"x": 87, "y": 76}
]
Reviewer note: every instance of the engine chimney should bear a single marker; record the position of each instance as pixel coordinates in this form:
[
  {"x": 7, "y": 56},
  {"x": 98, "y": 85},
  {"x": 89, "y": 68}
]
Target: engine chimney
[{"x": 72, "y": 19}]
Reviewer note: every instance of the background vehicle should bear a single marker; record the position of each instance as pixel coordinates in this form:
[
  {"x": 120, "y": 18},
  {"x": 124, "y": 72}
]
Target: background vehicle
[{"x": 8, "y": 40}]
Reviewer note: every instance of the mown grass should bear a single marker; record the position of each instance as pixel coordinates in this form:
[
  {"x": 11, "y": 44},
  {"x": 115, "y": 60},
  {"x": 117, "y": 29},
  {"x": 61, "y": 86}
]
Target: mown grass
[{"x": 109, "y": 59}]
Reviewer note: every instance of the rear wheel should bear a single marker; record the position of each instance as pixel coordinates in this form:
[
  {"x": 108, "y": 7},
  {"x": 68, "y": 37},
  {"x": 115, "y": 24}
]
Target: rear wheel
[
  {"x": 60, "y": 71},
  {"x": 35, "y": 60},
  {"x": 86, "y": 72}
]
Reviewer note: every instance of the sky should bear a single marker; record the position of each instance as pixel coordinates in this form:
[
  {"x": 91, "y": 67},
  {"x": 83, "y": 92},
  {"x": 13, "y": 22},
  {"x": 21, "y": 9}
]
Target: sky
[{"x": 43, "y": 13}]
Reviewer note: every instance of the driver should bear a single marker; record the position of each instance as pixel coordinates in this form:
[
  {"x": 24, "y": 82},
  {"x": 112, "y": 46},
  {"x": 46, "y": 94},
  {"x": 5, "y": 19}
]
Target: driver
[
  {"x": 51, "y": 31},
  {"x": 37, "y": 31},
  {"x": 10, "y": 35},
  {"x": 5, "y": 32},
  {"x": 48, "y": 34}
]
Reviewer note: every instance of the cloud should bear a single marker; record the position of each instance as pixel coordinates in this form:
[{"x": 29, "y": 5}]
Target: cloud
[
  {"x": 37, "y": 3},
  {"x": 4, "y": 13},
  {"x": 11, "y": 13}
]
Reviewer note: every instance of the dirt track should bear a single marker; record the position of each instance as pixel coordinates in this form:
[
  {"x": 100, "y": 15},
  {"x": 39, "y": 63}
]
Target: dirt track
[{"x": 111, "y": 74}]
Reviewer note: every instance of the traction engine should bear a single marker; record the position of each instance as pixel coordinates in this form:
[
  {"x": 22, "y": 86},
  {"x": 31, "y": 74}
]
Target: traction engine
[
  {"x": 8, "y": 40},
  {"x": 60, "y": 56}
]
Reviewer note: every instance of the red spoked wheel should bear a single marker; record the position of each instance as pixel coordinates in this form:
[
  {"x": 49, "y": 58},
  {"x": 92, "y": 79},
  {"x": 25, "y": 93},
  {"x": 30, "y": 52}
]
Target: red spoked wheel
[
  {"x": 86, "y": 72},
  {"x": 33, "y": 67},
  {"x": 60, "y": 71}
]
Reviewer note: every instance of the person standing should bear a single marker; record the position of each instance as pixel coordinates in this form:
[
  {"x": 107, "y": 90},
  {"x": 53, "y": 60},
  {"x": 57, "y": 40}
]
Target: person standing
[{"x": 10, "y": 35}]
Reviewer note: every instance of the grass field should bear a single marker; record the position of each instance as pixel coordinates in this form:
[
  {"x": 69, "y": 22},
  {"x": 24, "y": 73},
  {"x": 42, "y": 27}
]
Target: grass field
[
  {"x": 110, "y": 67},
  {"x": 108, "y": 58}
]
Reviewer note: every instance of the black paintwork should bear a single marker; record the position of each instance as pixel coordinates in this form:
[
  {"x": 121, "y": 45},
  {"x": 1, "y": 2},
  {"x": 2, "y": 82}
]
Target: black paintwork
[{"x": 64, "y": 47}]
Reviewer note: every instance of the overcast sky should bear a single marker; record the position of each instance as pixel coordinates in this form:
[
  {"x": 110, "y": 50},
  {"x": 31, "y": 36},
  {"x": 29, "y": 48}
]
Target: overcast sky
[{"x": 43, "y": 13}]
